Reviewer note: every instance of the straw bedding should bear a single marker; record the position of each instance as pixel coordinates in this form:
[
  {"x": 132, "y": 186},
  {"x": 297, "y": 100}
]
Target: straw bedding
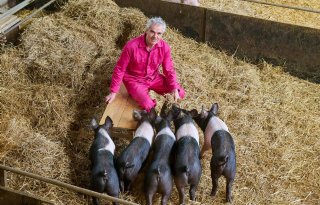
[
  {"x": 55, "y": 81},
  {"x": 273, "y": 13}
]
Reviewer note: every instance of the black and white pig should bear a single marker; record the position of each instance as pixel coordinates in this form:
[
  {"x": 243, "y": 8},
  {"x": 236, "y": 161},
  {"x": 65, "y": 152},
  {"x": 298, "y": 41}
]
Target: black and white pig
[
  {"x": 187, "y": 166},
  {"x": 159, "y": 175},
  {"x": 218, "y": 138},
  {"x": 132, "y": 158},
  {"x": 104, "y": 176}
]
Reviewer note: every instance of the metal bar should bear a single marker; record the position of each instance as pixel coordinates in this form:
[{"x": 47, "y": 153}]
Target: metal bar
[
  {"x": 3, "y": 177},
  {"x": 284, "y": 6},
  {"x": 68, "y": 186},
  {"x": 16, "y": 8},
  {"x": 28, "y": 18}
]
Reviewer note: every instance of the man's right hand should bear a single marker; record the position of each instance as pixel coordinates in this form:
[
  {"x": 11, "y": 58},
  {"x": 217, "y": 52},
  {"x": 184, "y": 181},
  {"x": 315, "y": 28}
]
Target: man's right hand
[{"x": 110, "y": 97}]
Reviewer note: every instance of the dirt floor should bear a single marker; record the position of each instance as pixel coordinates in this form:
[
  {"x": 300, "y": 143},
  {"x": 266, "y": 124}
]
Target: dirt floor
[{"x": 54, "y": 82}]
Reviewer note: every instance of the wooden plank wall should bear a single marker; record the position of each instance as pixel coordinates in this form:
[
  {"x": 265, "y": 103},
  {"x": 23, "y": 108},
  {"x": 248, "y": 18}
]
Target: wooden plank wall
[{"x": 295, "y": 47}]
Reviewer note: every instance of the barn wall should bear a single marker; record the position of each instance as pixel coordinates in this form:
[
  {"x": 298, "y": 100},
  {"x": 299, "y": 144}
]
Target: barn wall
[{"x": 296, "y": 48}]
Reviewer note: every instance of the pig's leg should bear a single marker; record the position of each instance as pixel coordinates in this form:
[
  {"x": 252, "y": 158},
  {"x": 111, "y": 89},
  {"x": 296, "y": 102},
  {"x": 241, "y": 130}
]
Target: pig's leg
[
  {"x": 128, "y": 184},
  {"x": 228, "y": 189},
  {"x": 192, "y": 192},
  {"x": 149, "y": 197},
  {"x": 97, "y": 184},
  {"x": 214, "y": 185},
  {"x": 165, "y": 198},
  {"x": 166, "y": 190},
  {"x": 122, "y": 185},
  {"x": 95, "y": 201},
  {"x": 181, "y": 194}
]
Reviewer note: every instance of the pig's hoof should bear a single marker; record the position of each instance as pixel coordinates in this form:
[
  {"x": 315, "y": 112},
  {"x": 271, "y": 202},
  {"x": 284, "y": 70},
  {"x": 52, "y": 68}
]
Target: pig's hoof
[
  {"x": 213, "y": 193},
  {"x": 229, "y": 200}
]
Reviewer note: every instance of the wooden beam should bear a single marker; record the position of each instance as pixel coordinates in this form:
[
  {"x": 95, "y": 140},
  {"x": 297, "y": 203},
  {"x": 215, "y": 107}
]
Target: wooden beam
[
  {"x": 12, "y": 197},
  {"x": 68, "y": 186}
]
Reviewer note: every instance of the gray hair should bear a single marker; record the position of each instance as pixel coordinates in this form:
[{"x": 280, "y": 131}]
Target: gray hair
[{"x": 158, "y": 21}]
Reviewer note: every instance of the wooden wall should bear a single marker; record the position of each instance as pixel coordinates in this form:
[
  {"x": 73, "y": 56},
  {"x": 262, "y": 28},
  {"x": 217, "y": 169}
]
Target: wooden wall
[{"x": 296, "y": 48}]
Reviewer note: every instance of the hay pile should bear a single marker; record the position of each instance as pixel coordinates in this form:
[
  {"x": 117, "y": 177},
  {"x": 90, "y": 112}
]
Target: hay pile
[
  {"x": 55, "y": 82},
  {"x": 273, "y": 13}
]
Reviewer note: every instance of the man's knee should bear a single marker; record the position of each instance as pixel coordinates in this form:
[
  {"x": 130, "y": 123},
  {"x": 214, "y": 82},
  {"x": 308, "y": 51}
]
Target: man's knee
[
  {"x": 144, "y": 101},
  {"x": 147, "y": 104}
]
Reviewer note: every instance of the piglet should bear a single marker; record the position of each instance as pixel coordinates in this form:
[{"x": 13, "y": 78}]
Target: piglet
[
  {"x": 217, "y": 137},
  {"x": 159, "y": 175},
  {"x": 187, "y": 166},
  {"x": 104, "y": 176},
  {"x": 132, "y": 158}
]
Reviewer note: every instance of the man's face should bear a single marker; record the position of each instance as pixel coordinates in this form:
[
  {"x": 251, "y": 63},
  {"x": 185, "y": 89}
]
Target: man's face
[{"x": 154, "y": 34}]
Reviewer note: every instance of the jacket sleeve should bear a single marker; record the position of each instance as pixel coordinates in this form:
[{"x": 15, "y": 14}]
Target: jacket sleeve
[
  {"x": 120, "y": 69},
  {"x": 168, "y": 68}
]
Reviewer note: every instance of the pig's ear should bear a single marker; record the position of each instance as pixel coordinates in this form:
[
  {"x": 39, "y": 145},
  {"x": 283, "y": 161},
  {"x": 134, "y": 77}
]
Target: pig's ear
[
  {"x": 170, "y": 116},
  {"x": 203, "y": 113},
  {"x": 136, "y": 115},
  {"x": 214, "y": 108},
  {"x": 152, "y": 114},
  {"x": 193, "y": 113},
  {"x": 164, "y": 109},
  {"x": 176, "y": 110},
  {"x": 108, "y": 123},
  {"x": 157, "y": 120},
  {"x": 94, "y": 124}
]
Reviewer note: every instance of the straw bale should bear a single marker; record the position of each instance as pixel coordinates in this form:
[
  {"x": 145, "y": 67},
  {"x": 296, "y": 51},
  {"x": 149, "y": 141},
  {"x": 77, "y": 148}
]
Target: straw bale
[
  {"x": 8, "y": 140},
  {"x": 48, "y": 107},
  {"x": 274, "y": 13},
  {"x": 134, "y": 22},
  {"x": 51, "y": 110},
  {"x": 12, "y": 68},
  {"x": 35, "y": 153},
  {"x": 98, "y": 14},
  {"x": 58, "y": 54}
]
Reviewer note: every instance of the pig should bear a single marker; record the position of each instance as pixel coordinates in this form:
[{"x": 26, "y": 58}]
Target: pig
[
  {"x": 104, "y": 176},
  {"x": 132, "y": 158},
  {"x": 186, "y": 153},
  {"x": 218, "y": 138},
  {"x": 189, "y": 2},
  {"x": 159, "y": 175}
]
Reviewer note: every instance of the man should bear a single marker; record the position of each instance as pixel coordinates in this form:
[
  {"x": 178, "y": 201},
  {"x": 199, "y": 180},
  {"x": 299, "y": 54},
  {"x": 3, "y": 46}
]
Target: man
[{"x": 138, "y": 67}]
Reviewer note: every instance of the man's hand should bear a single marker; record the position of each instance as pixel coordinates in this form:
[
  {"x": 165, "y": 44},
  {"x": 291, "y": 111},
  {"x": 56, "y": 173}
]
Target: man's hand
[
  {"x": 176, "y": 95},
  {"x": 110, "y": 97}
]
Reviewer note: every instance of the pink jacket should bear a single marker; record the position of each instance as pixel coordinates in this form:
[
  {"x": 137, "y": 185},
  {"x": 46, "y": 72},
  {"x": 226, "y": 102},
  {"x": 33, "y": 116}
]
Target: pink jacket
[{"x": 137, "y": 64}]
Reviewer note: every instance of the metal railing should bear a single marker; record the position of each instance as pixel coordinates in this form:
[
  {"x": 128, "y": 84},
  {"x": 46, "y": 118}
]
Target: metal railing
[
  {"x": 65, "y": 185},
  {"x": 26, "y": 19}
]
